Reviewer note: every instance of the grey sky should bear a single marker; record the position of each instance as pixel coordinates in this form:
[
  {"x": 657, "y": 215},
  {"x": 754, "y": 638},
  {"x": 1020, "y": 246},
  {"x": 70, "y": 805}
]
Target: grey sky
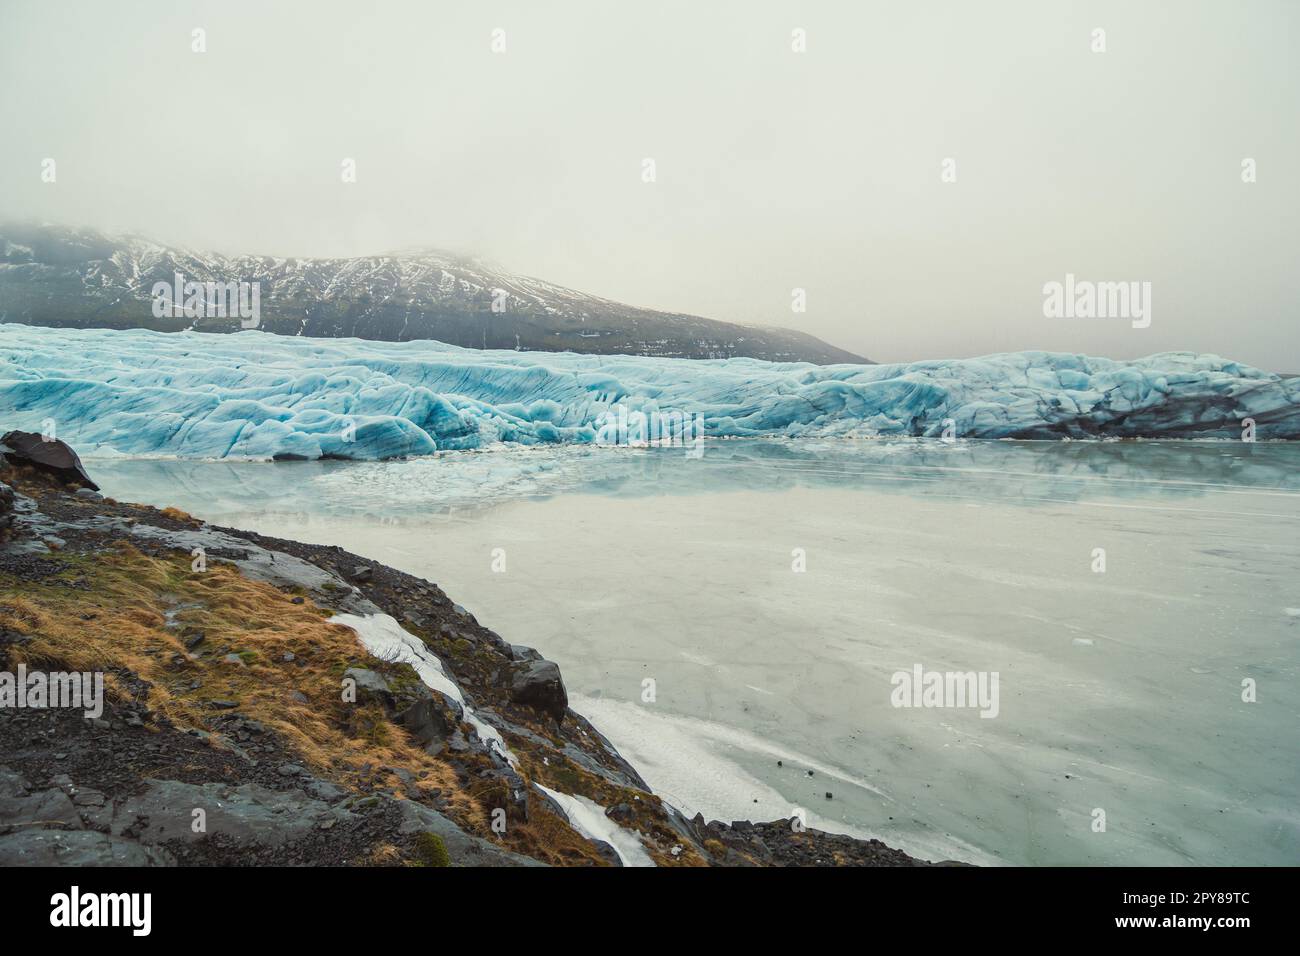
[{"x": 775, "y": 170}]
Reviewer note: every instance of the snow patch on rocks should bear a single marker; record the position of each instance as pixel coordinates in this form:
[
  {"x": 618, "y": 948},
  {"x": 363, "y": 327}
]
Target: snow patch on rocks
[
  {"x": 588, "y": 818},
  {"x": 383, "y": 637}
]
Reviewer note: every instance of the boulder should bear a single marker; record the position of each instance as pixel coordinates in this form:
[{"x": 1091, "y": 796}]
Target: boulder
[
  {"x": 538, "y": 684},
  {"x": 621, "y": 813},
  {"x": 429, "y": 722},
  {"x": 53, "y": 457},
  {"x": 370, "y": 685}
]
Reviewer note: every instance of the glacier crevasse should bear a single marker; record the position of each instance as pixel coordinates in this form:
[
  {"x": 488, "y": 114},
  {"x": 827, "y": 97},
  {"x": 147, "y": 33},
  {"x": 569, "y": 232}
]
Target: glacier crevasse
[{"x": 256, "y": 395}]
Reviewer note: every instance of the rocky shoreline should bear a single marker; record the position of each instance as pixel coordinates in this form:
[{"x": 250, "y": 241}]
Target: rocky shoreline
[{"x": 247, "y": 724}]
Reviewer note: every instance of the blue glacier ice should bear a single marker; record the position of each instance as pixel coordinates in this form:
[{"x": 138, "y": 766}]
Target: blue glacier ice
[{"x": 256, "y": 395}]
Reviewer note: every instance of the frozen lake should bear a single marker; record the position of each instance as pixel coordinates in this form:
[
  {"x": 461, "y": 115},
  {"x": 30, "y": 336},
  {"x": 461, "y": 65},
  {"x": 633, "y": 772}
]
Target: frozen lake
[{"x": 1120, "y": 692}]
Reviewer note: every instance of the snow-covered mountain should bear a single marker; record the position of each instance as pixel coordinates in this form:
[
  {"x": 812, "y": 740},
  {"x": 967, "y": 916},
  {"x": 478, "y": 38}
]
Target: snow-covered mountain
[{"x": 73, "y": 278}]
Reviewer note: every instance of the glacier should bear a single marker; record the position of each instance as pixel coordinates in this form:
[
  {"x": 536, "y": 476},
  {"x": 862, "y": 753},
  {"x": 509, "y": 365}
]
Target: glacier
[{"x": 254, "y": 395}]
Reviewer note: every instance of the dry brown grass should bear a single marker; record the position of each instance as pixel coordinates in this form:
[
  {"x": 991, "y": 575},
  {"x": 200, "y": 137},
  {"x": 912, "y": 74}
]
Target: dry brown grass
[
  {"x": 134, "y": 616},
  {"x": 385, "y": 854},
  {"x": 139, "y": 607}
]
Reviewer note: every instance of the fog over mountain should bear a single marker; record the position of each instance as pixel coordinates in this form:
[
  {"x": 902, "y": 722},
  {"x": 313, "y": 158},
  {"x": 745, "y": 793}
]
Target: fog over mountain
[
  {"x": 82, "y": 278},
  {"x": 775, "y": 169}
]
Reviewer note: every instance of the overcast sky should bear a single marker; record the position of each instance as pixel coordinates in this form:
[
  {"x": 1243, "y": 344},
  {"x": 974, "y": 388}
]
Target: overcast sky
[{"x": 775, "y": 170}]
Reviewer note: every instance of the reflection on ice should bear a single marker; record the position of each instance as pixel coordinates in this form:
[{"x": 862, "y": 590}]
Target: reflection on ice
[{"x": 995, "y": 470}]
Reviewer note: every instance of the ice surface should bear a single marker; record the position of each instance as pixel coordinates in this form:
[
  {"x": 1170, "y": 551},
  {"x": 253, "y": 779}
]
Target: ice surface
[
  {"x": 256, "y": 395},
  {"x": 449, "y": 482},
  {"x": 700, "y": 767}
]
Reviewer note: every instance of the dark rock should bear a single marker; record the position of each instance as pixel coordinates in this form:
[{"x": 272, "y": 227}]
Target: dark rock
[
  {"x": 370, "y": 685},
  {"x": 429, "y": 722},
  {"x": 609, "y": 854},
  {"x": 401, "y": 774},
  {"x": 538, "y": 684},
  {"x": 621, "y": 812},
  {"x": 513, "y": 794},
  {"x": 518, "y": 652},
  {"x": 22, "y": 806},
  {"x": 324, "y": 790},
  {"x": 246, "y": 815},
  {"x": 77, "y": 848},
  {"x": 53, "y": 457},
  {"x": 463, "y": 848},
  {"x": 362, "y": 572}
]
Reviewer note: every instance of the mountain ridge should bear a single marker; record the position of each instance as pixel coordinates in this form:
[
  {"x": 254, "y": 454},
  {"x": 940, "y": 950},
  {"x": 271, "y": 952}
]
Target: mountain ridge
[{"x": 82, "y": 278}]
